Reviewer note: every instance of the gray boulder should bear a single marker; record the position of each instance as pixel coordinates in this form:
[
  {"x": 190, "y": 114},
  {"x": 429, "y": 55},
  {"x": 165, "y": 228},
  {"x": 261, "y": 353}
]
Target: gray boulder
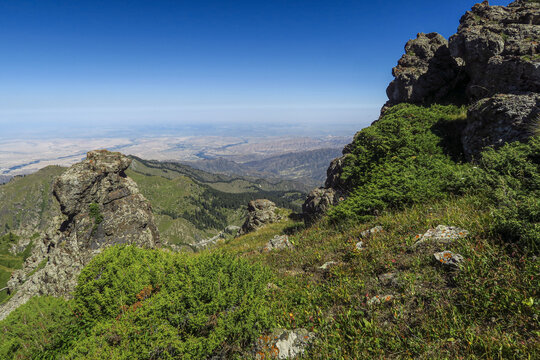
[
  {"x": 260, "y": 212},
  {"x": 370, "y": 232},
  {"x": 448, "y": 259},
  {"x": 317, "y": 204},
  {"x": 278, "y": 242},
  {"x": 442, "y": 234}
]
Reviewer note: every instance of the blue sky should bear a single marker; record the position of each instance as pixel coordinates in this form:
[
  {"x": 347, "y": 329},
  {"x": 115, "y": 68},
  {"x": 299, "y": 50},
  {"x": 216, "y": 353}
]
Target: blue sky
[{"x": 71, "y": 63}]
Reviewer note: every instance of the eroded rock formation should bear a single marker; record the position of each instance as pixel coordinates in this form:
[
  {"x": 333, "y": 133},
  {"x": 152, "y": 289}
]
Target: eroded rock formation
[
  {"x": 101, "y": 207},
  {"x": 260, "y": 213},
  {"x": 426, "y": 72}
]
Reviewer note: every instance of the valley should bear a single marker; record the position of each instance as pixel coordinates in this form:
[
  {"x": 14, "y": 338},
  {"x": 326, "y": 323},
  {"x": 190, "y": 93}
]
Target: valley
[{"x": 23, "y": 156}]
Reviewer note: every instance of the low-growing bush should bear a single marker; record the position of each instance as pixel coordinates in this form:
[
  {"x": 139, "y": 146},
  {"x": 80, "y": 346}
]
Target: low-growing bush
[
  {"x": 142, "y": 304},
  {"x": 39, "y": 327},
  {"x": 406, "y": 157},
  {"x": 413, "y": 155},
  {"x": 511, "y": 178},
  {"x": 134, "y": 303}
]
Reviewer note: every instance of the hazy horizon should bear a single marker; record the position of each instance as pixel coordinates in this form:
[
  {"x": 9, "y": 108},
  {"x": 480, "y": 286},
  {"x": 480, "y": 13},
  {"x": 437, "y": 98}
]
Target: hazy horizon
[{"x": 95, "y": 67}]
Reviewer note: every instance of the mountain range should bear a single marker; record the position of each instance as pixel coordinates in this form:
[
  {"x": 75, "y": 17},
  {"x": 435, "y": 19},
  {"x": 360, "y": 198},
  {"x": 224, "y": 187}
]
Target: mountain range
[{"x": 423, "y": 242}]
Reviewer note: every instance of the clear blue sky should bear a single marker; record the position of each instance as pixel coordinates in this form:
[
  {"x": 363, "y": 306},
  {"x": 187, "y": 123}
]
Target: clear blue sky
[{"x": 73, "y": 62}]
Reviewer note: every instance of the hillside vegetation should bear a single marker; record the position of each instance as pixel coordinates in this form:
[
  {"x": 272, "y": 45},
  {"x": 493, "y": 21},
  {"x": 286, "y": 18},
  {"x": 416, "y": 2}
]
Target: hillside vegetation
[
  {"x": 190, "y": 205},
  {"x": 27, "y": 202},
  {"x": 385, "y": 298}
]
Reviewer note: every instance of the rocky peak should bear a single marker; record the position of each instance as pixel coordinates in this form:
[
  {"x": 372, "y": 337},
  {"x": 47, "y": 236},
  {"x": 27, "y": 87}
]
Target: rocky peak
[
  {"x": 101, "y": 207},
  {"x": 500, "y": 48},
  {"x": 495, "y": 50},
  {"x": 491, "y": 64},
  {"x": 425, "y": 73},
  {"x": 98, "y": 179}
]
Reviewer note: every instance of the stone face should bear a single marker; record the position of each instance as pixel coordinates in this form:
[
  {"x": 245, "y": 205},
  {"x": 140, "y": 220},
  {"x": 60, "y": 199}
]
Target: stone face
[
  {"x": 260, "y": 213},
  {"x": 278, "y": 242},
  {"x": 283, "y": 344},
  {"x": 448, "y": 259},
  {"x": 425, "y": 73},
  {"x": 101, "y": 207},
  {"x": 379, "y": 299},
  {"x": 500, "y": 119},
  {"x": 333, "y": 174},
  {"x": 317, "y": 203},
  {"x": 371, "y": 232},
  {"x": 495, "y": 50},
  {"x": 442, "y": 234}
]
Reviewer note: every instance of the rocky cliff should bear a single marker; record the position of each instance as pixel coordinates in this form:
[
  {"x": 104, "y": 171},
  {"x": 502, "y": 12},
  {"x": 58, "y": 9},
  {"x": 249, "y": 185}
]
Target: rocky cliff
[
  {"x": 100, "y": 207},
  {"x": 491, "y": 65}
]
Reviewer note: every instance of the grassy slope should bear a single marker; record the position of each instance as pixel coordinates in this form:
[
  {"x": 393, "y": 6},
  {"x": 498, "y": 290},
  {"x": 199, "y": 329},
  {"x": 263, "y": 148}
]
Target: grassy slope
[
  {"x": 27, "y": 202},
  {"x": 172, "y": 197},
  {"x": 10, "y": 262},
  {"x": 27, "y": 206},
  {"x": 225, "y": 183},
  {"x": 484, "y": 311}
]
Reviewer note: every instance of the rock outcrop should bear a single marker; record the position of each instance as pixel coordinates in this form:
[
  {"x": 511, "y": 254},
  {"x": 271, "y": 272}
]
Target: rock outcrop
[
  {"x": 500, "y": 119},
  {"x": 317, "y": 203},
  {"x": 500, "y": 48},
  {"x": 492, "y": 64},
  {"x": 278, "y": 242},
  {"x": 442, "y": 234},
  {"x": 495, "y": 50},
  {"x": 101, "y": 207},
  {"x": 426, "y": 72},
  {"x": 260, "y": 213},
  {"x": 448, "y": 259}
]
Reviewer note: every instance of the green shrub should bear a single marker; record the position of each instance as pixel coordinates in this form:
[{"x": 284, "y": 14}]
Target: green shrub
[
  {"x": 511, "y": 179},
  {"x": 6, "y": 241},
  {"x": 413, "y": 155},
  {"x": 408, "y": 156},
  {"x": 95, "y": 213},
  {"x": 36, "y": 328},
  {"x": 142, "y": 304}
]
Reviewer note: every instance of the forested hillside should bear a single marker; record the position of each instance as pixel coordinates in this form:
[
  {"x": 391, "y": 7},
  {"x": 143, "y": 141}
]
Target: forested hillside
[{"x": 190, "y": 205}]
